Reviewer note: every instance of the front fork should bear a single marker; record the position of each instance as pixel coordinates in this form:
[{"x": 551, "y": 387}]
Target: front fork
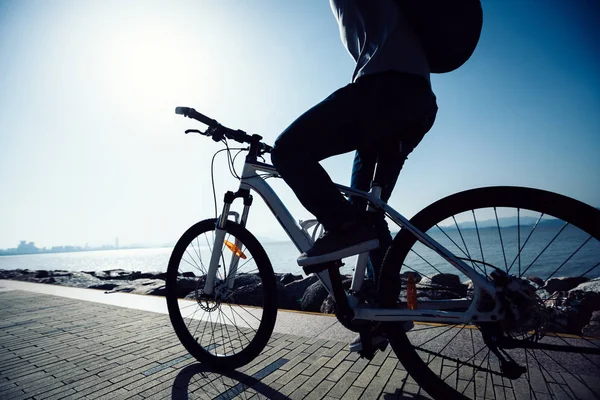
[{"x": 220, "y": 231}]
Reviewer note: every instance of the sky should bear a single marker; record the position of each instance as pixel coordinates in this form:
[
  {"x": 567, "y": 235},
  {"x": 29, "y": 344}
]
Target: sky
[{"x": 91, "y": 149}]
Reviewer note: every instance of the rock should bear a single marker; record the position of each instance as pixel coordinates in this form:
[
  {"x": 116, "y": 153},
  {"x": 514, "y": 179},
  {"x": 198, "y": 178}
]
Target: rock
[
  {"x": 284, "y": 300},
  {"x": 536, "y": 280},
  {"x": 328, "y": 305},
  {"x": 367, "y": 293},
  {"x": 313, "y": 297},
  {"x": 42, "y": 274},
  {"x": 289, "y": 278},
  {"x": 188, "y": 275},
  {"x": 48, "y": 280},
  {"x": 154, "y": 287},
  {"x": 416, "y": 275},
  {"x": 251, "y": 295},
  {"x": 186, "y": 287},
  {"x": 559, "y": 284},
  {"x": 244, "y": 280},
  {"x": 590, "y": 286},
  {"x": 448, "y": 280},
  {"x": 104, "y": 286},
  {"x": 441, "y": 295},
  {"x": 573, "y": 309},
  {"x": 593, "y": 328},
  {"x": 296, "y": 289},
  {"x": 62, "y": 274}
]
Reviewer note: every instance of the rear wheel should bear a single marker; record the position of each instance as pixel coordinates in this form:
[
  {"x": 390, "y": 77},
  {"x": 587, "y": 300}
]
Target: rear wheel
[
  {"x": 230, "y": 327},
  {"x": 548, "y": 246}
]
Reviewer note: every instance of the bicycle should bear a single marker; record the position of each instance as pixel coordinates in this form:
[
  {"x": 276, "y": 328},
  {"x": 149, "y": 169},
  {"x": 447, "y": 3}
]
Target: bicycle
[{"x": 223, "y": 307}]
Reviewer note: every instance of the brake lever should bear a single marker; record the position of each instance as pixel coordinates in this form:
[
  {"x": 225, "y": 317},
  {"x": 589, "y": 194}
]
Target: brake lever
[{"x": 194, "y": 131}]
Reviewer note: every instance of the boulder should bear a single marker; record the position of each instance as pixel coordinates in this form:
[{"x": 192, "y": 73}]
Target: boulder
[
  {"x": 62, "y": 274},
  {"x": 589, "y": 286},
  {"x": 154, "y": 287},
  {"x": 441, "y": 295},
  {"x": 245, "y": 280},
  {"x": 42, "y": 274},
  {"x": 416, "y": 275},
  {"x": 448, "y": 280},
  {"x": 104, "y": 286},
  {"x": 296, "y": 289},
  {"x": 285, "y": 301},
  {"x": 250, "y": 295},
  {"x": 536, "y": 280},
  {"x": 185, "y": 287},
  {"x": 560, "y": 284},
  {"x": 289, "y": 278},
  {"x": 313, "y": 297},
  {"x": 328, "y": 305}
]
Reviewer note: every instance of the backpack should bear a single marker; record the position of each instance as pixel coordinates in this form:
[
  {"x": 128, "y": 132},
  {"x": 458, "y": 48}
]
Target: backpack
[{"x": 448, "y": 30}]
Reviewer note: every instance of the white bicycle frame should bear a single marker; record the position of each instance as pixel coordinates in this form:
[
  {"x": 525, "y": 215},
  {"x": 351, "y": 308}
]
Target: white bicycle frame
[{"x": 427, "y": 311}]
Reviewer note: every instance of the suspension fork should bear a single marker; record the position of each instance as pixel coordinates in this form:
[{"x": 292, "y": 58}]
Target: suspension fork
[{"x": 220, "y": 231}]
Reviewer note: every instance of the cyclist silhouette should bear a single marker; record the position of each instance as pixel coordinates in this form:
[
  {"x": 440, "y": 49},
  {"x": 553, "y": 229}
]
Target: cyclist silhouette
[{"x": 384, "y": 113}]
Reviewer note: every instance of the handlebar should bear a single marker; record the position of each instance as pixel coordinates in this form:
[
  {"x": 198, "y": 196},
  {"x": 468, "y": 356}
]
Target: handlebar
[
  {"x": 218, "y": 131},
  {"x": 191, "y": 113}
]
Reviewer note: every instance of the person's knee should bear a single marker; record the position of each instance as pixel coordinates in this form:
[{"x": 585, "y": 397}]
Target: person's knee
[
  {"x": 279, "y": 154},
  {"x": 286, "y": 152}
]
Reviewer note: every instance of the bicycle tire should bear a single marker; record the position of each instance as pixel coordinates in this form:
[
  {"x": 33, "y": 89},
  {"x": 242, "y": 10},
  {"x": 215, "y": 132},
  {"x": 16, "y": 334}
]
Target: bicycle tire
[
  {"x": 573, "y": 212},
  {"x": 219, "y": 353}
]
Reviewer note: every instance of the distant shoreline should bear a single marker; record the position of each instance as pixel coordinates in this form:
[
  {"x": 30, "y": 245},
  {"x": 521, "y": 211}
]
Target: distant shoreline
[{"x": 4, "y": 253}]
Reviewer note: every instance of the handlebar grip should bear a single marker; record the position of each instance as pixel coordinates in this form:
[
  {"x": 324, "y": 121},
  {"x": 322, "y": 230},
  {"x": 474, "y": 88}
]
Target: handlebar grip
[
  {"x": 182, "y": 111},
  {"x": 191, "y": 113}
]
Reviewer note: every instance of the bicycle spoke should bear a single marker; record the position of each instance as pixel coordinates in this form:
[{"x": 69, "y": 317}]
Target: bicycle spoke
[
  {"x": 568, "y": 258},
  {"x": 501, "y": 241},
  {"x": 591, "y": 269},
  {"x": 545, "y": 248},
  {"x": 479, "y": 240},
  {"x": 467, "y": 250},
  {"x": 524, "y": 244}
]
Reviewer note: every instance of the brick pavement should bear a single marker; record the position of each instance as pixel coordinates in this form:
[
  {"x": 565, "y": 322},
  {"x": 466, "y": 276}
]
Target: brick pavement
[
  {"x": 60, "y": 348},
  {"x": 55, "y": 347}
]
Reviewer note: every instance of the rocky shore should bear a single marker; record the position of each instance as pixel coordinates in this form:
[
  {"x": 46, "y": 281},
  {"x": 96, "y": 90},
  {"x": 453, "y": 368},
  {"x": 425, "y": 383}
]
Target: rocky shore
[{"x": 575, "y": 307}]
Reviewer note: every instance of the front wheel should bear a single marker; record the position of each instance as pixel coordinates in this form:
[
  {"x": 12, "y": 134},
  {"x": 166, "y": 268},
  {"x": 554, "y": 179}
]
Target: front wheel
[
  {"x": 232, "y": 325},
  {"x": 548, "y": 246}
]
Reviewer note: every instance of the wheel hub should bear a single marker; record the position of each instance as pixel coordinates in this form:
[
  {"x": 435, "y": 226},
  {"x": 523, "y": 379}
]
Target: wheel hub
[{"x": 208, "y": 302}]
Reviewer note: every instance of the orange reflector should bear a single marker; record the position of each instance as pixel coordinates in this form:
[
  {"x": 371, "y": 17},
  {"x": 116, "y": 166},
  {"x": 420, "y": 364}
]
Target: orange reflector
[{"x": 236, "y": 250}]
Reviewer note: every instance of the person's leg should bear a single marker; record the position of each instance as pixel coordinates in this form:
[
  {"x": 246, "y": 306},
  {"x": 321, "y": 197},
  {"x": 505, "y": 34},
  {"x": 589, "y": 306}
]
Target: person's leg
[
  {"x": 325, "y": 130},
  {"x": 363, "y": 168},
  {"x": 391, "y": 157},
  {"x": 358, "y": 116},
  {"x": 331, "y": 127}
]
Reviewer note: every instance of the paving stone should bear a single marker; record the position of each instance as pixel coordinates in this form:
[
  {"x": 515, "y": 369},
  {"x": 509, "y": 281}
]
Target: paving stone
[
  {"x": 337, "y": 373},
  {"x": 353, "y": 393},
  {"x": 366, "y": 376},
  {"x": 343, "y": 384},
  {"x": 294, "y": 384},
  {"x": 311, "y": 383}
]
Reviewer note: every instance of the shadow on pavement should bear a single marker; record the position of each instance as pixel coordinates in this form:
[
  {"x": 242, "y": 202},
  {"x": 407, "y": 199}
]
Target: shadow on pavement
[{"x": 201, "y": 381}]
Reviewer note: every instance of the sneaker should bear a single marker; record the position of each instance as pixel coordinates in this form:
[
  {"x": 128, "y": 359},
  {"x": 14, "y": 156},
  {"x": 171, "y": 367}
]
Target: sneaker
[
  {"x": 335, "y": 245},
  {"x": 378, "y": 341}
]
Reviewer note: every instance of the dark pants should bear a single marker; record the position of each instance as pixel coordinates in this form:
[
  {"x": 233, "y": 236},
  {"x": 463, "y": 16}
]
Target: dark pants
[{"x": 387, "y": 112}]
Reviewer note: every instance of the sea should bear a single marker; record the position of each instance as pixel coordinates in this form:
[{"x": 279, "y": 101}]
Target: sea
[{"x": 566, "y": 255}]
